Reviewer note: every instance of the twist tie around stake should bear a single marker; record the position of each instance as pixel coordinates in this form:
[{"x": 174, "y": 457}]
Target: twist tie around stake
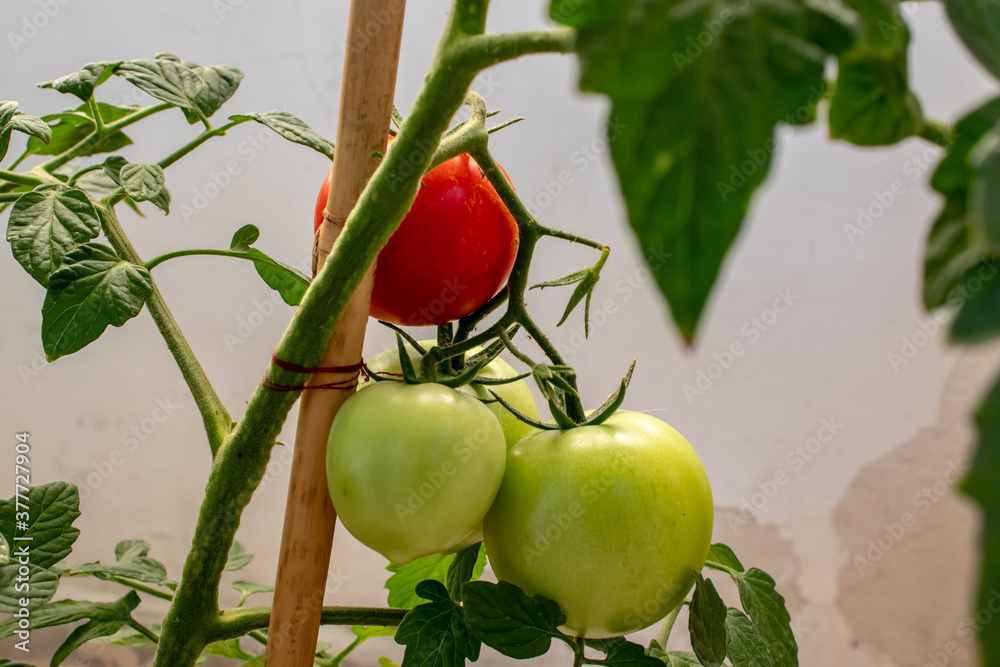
[{"x": 350, "y": 383}]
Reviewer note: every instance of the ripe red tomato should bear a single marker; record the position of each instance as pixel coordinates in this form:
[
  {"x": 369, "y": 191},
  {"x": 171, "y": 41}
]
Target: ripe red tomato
[{"x": 452, "y": 252}]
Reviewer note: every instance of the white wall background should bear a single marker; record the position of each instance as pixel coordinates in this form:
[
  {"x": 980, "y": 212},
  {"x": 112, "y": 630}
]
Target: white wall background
[{"x": 824, "y": 359}]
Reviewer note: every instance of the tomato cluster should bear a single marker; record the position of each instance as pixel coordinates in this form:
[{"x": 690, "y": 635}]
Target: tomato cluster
[{"x": 611, "y": 521}]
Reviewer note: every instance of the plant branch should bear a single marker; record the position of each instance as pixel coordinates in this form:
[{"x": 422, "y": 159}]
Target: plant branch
[
  {"x": 143, "y": 630},
  {"x": 214, "y": 415},
  {"x": 6, "y": 197},
  {"x": 938, "y": 133},
  {"x": 98, "y": 121},
  {"x": 20, "y": 178},
  {"x": 238, "y": 621},
  {"x": 667, "y": 627},
  {"x": 142, "y": 588},
  {"x": 94, "y": 137},
  {"x": 488, "y": 50}
]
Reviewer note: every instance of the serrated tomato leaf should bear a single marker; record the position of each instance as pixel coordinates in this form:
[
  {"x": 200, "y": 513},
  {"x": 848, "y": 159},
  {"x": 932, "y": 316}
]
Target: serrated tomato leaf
[
  {"x": 744, "y": 645},
  {"x": 721, "y": 557},
  {"x": 142, "y": 182},
  {"x": 71, "y": 611},
  {"x": 132, "y": 561},
  {"x": 291, "y": 128},
  {"x": 766, "y": 608},
  {"x": 707, "y": 623},
  {"x": 93, "y": 288},
  {"x": 436, "y": 633},
  {"x": 507, "y": 620},
  {"x": 37, "y": 586},
  {"x": 977, "y": 22},
  {"x": 402, "y": 584},
  {"x": 52, "y": 508},
  {"x": 83, "y": 82},
  {"x": 691, "y": 128},
  {"x": 46, "y": 224},
  {"x": 72, "y": 127},
  {"x": 238, "y": 558},
  {"x": 467, "y": 565},
  {"x": 626, "y": 654}
]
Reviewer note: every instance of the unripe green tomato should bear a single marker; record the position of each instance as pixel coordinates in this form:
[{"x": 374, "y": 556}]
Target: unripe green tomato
[
  {"x": 610, "y": 521},
  {"x": 412, "y": 469},
  {"x": 516, "y": 394}
]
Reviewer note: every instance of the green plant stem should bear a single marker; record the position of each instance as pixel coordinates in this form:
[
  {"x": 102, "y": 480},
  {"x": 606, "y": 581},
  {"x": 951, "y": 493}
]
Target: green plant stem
[
  {"x": 238, "y": 621},
  {"x": 94, "y": 138},
  {"x": 98, "y": 121},
  {"x": 199, "y": 140},
  {"x": 938, "y": 133},
  {"x": 20, "y": 178},
  {"x": 579, "y": 644},
  {"x": 668, "y": 625},
  {"x": 10, "y": 197},
  {"x": 146, "y": 632},
  {"x": 239, "y": 254},
  {"x": 239, "y": 466},
  {"x": 214, "y": 414},
  {"x": 86, "y": 170},
  {"x": 337, "y": 659},
  {"x": 142, "y": 588}
]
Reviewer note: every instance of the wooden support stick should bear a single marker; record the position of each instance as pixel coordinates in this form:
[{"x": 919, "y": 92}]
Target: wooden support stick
[{"x": 307, "y": 538}]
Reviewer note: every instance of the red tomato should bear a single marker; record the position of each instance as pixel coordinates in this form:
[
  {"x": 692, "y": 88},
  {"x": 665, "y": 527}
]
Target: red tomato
[{"x": 451, "y": 253}]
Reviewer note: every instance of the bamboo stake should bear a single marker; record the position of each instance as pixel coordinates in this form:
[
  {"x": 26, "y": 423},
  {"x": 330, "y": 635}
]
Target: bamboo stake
[{"x": 372, "y": 55}]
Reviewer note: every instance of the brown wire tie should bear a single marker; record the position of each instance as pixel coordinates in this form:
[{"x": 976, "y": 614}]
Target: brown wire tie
[{"x": 350, "y": 383}]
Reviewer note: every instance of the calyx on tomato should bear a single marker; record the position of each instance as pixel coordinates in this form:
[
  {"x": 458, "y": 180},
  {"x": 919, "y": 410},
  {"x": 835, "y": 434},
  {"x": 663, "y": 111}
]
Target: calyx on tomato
[{"x": 452, "y": 252}]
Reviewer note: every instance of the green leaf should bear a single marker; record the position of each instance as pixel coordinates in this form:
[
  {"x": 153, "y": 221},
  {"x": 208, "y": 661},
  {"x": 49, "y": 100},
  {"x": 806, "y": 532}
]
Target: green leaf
[
  {"x": 978, "y": 319},
  {"x": 626, "y": 654},
  {"x": 244, "y": 237},
  {"x": 33, "y": 126},
  {"x": 248, "y": 588},
  {"x": 744, "y": 645},
  {"x": 691, "y": 129},
  {"x": 75, "y": 125},
  {"x": 766, "y": 607},
  {"x": 94, "y": 288},
  {"x": 386, "y": 662},
  {"x": 64, "y": 612},
  {"x": 220, "y": 83},
  {"x": 291, "y": 128},
  {"x": 957, "y": 244},
  {"x": 238, "y": 558},
  {"x": 679, "y": 659},
  {"x": 4, "y": 662},
  {"x": 4, "y": 141},
  {"x": 977, "y": 22},
  {"x": 41, "y": 586},
  {"x": 46, "y": 224},
  {"x": 981, "y": 485},
  {"x": 403, "y": 582},
  {"x": 467, "y": 565},
  {"x": 872, "y": 104},
  {"x": 984, "y": 190},
  {"x": 132, "y": 561},
  {"x": 363, "y": 632},
  {"x": 229, "y": 648},
  {"x": 52, "y": 509},
  {"x": 506, "y": 619},
  {"x": 127, "y": 636},
  {"x": 721, "y": 557},
  {"x": 707, "y": 623},
  {"x": 106, "y": 621},
  {"x": 115, "y": 165},
  {"x": 436, "y": 634},
  {"x": 290, "y": 283},
  {"x": 82, "y": 83},
  {"x": 166, "y": 80},
  {"x": 142, "y": 182}
]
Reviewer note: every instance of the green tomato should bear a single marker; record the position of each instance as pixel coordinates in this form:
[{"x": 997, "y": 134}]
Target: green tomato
[
  {"x": 412, "y": 469},
  {"x": 516, "y": 394},
  {"x": 610, "y": 521}
]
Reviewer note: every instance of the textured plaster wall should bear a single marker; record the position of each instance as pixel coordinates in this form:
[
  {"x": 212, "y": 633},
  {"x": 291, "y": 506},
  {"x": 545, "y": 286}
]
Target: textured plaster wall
[{"x": 817, "y": 440}]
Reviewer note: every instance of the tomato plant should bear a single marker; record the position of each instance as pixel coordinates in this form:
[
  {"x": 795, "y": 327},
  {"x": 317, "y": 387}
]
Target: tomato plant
[
  {"x": 696, "y": 98},
  {"x": 451, "y": 253}
]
